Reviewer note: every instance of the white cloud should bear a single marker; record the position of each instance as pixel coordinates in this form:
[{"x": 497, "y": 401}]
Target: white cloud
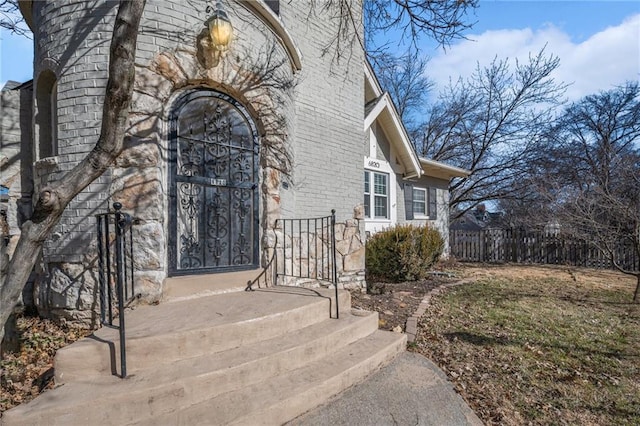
[{"x": 602, "y": 61}]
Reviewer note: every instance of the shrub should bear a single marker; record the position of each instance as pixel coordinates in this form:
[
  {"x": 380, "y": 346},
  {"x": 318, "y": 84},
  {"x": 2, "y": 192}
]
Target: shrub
[{"x": 402, "y": 253}]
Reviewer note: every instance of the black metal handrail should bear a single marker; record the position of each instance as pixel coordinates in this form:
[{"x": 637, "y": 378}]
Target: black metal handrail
[
  {"x": 300, "y": 239},
  {"x": 267, "y": 277},
  {"x": 115, "y": 272}
]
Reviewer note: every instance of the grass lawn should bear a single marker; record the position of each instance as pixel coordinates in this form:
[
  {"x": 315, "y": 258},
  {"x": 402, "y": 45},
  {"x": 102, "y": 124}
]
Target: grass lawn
[{"x": 539, "y": 345}]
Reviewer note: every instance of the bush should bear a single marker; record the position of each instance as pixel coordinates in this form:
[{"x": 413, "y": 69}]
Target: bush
[{"x": 403, "y": 253}]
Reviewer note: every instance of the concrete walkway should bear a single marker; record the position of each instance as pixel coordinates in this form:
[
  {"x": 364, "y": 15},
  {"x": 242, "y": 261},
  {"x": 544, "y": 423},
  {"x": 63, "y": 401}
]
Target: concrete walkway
[{"x": 410, "y": 391}]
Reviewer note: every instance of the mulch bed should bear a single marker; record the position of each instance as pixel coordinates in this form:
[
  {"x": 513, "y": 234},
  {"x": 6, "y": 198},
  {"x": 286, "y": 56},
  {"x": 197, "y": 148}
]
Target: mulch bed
[{"x": 395, "y": 302}]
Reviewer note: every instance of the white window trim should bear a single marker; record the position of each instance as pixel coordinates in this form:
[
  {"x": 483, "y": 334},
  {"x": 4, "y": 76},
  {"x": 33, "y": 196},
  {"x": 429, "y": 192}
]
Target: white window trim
[
  {"x": 374, "y": 195},
  {"x": 426, "y": 203},
  {"x": 372, "y": 164}
]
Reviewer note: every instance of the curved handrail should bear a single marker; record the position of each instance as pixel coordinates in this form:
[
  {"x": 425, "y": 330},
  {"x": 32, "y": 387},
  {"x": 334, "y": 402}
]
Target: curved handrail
[{"x": 262, "y": 274}]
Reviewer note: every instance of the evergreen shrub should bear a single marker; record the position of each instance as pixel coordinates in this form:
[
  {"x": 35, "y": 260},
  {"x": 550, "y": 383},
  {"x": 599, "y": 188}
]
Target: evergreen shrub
[{"x": 402, "y": 253}]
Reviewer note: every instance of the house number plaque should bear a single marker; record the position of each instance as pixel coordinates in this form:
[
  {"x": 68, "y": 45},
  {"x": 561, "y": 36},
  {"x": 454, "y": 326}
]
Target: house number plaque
[{"x": 218, "y": 182}]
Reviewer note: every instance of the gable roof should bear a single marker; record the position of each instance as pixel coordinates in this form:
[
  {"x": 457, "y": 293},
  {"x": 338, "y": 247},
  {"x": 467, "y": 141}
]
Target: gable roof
[
  {"x": 380, "y": 107},
  {"x": 372, "y": 87},
  {"x": 382, "y": 110}
]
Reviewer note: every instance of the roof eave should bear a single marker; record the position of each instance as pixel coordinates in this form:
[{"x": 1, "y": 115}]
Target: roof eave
[
  {"x": 26, "y": 8},
  {"x": 400, "y": 137},
  {"x": 442, "y": 169}
]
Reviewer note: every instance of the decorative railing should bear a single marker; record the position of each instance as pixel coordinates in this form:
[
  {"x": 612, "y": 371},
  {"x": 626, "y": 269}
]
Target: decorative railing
[
  {"x": 305, "y": 249},
  {"x": 115, "y": 272},
  {"x": 268, "y": 277}
]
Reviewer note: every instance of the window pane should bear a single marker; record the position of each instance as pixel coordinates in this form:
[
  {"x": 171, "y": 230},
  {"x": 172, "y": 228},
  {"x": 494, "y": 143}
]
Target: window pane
[
  {"x": 367, "y": 206},
  {"x": 380, "y": 184},
  {"x": 366, "y": 182},
  {"x": 380, "y": 207},
  {"x": 419, "y": 201}
]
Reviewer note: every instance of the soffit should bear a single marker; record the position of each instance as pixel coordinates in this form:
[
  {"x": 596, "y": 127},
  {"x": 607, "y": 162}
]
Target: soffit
[
  {"x": 441, "y": 170},
  {"x": 384, "y": 113}
]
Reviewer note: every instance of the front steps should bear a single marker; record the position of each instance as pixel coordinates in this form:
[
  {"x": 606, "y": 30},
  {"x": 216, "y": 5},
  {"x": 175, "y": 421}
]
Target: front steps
[
  {"x": 194, "y": 286},
  {"x": 249, "y": 358}
]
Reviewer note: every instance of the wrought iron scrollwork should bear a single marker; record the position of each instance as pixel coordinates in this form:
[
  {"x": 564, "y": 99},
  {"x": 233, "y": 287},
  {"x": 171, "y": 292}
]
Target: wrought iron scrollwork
[{"x": 216, "y": 204}]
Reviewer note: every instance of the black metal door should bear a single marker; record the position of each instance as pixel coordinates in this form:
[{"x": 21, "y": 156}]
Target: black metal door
[{"x": 214, "y": 185}]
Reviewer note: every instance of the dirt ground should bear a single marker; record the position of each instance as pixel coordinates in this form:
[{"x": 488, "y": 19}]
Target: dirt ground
[
  {"x": 395, "y": 302},
  {"x": 25, "y": 374}
]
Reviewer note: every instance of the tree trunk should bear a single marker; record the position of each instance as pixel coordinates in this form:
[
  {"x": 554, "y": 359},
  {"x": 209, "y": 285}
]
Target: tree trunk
[
  {"x": 636, "y": 294},
  {"x": 53, "y": 199}
]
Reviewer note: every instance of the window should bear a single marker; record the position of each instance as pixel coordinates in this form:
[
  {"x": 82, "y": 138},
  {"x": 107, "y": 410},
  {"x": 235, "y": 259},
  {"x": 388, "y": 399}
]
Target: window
[
  {"x": 46, "y": 118},
  {"x": 367, "y": 196},
  {"x": 274, "y": 5},
  {"x": 379, "y": 195},
  {"x": 419, "y": 202}
]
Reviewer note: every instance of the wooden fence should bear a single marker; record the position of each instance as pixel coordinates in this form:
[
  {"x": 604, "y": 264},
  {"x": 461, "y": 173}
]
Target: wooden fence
[{"x": 518, "y": 246}]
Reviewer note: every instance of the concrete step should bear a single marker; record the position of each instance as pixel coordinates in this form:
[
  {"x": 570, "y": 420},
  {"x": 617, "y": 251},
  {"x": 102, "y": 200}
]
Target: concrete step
[
  {"x": 153, "y": 394},
  {"x": 284, "y": 397},
  {"x": 160, "y": 335},
  {"x": 193, "y": 286},
  {"x": 261, "y": 357}
]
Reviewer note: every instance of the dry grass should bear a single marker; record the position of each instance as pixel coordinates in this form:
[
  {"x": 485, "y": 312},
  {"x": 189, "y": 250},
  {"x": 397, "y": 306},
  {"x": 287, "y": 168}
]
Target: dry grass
[{"x": 540, "y": 345}]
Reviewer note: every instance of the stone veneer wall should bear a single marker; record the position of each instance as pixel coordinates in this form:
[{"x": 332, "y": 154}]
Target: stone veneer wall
[{"x": 305, "y": 258}]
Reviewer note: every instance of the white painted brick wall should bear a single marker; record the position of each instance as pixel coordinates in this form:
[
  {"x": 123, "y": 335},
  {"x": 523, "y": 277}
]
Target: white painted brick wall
[{"x": 329, "y": 114}]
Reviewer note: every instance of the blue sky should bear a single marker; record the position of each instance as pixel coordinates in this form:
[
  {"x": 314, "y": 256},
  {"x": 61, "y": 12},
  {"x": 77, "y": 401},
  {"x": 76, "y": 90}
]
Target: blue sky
[
  {"x": 16, "y": 58},
  {"x": 598, "y": 42},
  {"x": 580, "y": 19}
]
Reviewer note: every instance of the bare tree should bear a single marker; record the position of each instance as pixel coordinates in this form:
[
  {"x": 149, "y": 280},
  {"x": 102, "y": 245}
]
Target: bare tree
[
  {"x": 595, "y": 174},
  {"x": 441, "y": 20},
  {"x": 53, "y": 199},
  {"x": 404, "y": 77},
  {"x": 11, "y": 19},
  {"x": 491, "y": 124}
]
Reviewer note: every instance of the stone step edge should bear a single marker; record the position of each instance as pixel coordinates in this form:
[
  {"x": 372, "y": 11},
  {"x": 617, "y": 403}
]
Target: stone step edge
[
  {"x": 105, "y": 352},
  {"x": 282, "y": 398},
  {"x": 155, "y": 395},
  {"x": 284, "y": 345},
  {"x": 300, "y": 402}
]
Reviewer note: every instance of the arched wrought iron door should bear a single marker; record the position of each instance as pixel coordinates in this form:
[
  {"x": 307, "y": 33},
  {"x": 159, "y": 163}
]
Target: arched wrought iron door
[{"x": 214, "y": 185}]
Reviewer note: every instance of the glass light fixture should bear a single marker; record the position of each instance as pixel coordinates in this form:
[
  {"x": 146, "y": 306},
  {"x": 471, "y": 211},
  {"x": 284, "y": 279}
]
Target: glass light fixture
[{"x": 220, "y": 28}]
